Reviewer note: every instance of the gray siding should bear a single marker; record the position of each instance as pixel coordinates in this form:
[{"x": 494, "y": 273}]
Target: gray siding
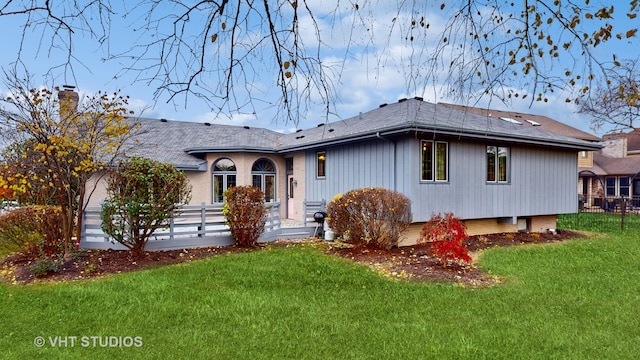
[
  {"x": 542, "y": 180},
  {"x": 364, "y": 164}
]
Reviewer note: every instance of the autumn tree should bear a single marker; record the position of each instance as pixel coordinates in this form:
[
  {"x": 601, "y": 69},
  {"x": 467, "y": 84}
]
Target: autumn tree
[
  {"x": 231, "y": 53},
  {"x": 21, "y": 162},
  {"x": 616, "y": 103},
  {"x": 143, "y": 196},
  {"x": 64, "y": 141}
]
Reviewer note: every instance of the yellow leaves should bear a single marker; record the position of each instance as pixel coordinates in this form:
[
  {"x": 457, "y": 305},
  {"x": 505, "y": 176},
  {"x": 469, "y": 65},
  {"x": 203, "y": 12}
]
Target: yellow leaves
[
  {"x": 214, "y": 37},
  {"x": 631, "y": 33}
]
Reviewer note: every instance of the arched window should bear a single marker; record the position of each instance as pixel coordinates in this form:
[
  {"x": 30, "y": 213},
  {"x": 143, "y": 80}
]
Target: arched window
[
  {"x": 263, "y": 174},
  {"x": 224, "y": 177}
]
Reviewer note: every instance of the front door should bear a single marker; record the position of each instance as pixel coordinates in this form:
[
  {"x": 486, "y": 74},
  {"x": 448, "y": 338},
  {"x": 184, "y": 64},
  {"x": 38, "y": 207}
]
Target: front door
[{"x": 290, "y": 196}]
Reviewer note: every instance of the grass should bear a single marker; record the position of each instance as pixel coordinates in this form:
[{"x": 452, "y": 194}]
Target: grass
[
  {"x": 599, "y": 222},
  {"x": 576, "y": 300}
]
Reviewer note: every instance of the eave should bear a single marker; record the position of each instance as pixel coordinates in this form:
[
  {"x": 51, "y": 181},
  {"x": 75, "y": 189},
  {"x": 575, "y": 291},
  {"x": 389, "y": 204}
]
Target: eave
[{"x": 573, "y": 144}]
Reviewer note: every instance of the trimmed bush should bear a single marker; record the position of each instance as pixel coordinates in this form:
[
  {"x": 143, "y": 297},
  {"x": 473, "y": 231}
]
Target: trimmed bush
[
  {"x": 446, "y": 235},
  {"x": 371, "y": 217},
  {"x": 245, "y": 213},
  {"x": 33, "y": 231}
]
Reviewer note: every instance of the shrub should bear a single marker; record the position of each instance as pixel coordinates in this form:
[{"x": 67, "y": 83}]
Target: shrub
[
  {"x": 372, "y": 217},
  {"x": 33, "y": 231},
  {"x": 144, "y": 195},
  {"x": 245, "y": 213},
  {"x": 446, "y": 235},
  {"x": 42, "y": 267}
]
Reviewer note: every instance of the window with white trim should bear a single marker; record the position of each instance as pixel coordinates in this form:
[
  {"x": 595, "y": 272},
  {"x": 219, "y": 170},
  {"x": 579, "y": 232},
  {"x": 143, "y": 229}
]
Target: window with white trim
[
  {"x": 224, "y": 177},
  {"x": 434, "y": 161},
  {"x": 263, "y": 176},
  {"x": 498, "y": 163}
]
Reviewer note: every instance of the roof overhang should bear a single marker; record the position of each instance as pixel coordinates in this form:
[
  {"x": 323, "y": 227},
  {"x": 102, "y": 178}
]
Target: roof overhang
[
  {"x": 564, "y": 143},
  {"x": 193, "y": 167},
  {"x": 227, "y": 149}
]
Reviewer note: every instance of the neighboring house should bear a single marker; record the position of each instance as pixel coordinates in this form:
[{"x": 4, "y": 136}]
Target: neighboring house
[
  {"x": 491, "y": 172},
  {"x": 613, "y": 171}
]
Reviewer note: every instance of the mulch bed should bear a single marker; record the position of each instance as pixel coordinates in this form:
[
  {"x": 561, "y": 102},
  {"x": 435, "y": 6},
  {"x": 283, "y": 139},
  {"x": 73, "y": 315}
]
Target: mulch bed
[{"x": 413, "y": 263}]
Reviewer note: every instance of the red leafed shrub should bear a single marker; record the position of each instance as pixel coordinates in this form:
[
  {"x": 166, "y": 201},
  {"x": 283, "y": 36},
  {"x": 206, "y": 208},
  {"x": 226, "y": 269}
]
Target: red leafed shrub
[
  {"x": 34, "y": 231},
  {"x": 245, "y": 213},
  {"x": 446, "y": 235},
  {"x": 373, "y": 217}
]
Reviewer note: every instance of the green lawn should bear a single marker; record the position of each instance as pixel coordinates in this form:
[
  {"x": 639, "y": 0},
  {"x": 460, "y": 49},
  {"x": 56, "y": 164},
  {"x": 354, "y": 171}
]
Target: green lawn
[
  {"x": 609, "y": 223},
  {"x": 576, "y": 300}
]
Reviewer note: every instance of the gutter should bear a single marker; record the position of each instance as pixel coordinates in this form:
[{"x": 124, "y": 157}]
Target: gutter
[
  {"x": 557, "y": 143},
  {"x": 200, "y": 167},
  {"x": 244, "y": 149}
]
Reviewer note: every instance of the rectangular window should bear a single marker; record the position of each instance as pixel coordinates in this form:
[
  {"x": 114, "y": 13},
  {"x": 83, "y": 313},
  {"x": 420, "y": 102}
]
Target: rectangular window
[
  {"x": 222, "y": 182},
  {"x": 498, "y": 164},
  {"x": 624, "y": 186},
  {"x": 492, "y": 152},
  {"x": 269, "y": 187},
  {"x": 434, "y": 163},
  {"x": 321, "y": 160},
  {"x": 441, "y": 161},
  {"x": 289, "y": 165},
  {"x": 610, "y": 183}
]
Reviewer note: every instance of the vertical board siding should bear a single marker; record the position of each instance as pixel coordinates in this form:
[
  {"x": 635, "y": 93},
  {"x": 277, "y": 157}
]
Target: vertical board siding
[
  {"x": 364, "y": 164},
  {"x": 542, "y": 181}
]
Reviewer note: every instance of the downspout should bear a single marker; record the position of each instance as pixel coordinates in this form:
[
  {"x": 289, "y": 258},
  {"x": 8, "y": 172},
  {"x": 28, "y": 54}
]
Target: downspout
[{"x": 393, "y": 166}]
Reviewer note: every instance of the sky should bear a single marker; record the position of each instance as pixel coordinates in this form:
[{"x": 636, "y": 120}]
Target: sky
[{"x": 370, "y": 74}]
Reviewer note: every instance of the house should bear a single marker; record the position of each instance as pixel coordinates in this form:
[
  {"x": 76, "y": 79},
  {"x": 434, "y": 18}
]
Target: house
[
  {"x": 590, "y": 185},
  {"x": 495, "y": 174},
  {"x": 613, "y": 172}
]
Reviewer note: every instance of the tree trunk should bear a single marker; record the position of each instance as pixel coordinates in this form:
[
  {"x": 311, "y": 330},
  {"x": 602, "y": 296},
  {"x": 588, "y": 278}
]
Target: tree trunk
[
  {"x": 137, "y": 251},
  {"x": 79, "y": 215}
]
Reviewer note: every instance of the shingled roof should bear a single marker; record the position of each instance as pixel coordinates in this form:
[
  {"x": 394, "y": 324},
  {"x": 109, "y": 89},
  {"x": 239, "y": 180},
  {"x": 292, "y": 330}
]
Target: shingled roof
[
  {"x": 615, "y": 166},
  {"x": 417, "y": 115},
  {"x": 529, "y": 120},
  {"x": 184, "y": 144}
]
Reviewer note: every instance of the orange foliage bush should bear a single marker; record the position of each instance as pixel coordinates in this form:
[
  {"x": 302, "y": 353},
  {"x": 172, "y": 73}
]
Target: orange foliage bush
[
  {"x": 373, "y": 217},
  {"x": 34, "y": 231}
]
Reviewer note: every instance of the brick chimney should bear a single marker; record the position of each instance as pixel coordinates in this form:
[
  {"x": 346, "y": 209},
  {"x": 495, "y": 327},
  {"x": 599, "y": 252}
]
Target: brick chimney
[
  {"x": 68, "y": 99},
  {"x": 615, "y": 145}
]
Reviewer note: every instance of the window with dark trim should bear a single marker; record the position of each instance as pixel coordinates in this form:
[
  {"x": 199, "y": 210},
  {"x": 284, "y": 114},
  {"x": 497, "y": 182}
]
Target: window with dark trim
[
  {"x": 434, "y": 162},
  {"x": 498, "y": 162},
  {"x": 321, "y": 158}
]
